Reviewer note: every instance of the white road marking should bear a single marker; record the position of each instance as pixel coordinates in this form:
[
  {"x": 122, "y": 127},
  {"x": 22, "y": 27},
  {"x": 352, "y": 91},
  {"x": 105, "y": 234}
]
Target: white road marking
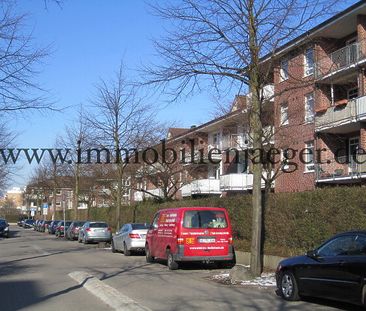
[{"x": 106, "y": 293}]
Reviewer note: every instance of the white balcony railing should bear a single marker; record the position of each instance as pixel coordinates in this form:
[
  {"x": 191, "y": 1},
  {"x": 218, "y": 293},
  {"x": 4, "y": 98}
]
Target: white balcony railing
[
  {"x": 232, "y": 182},
  {"x": 201, "y": 186},
  {"x": 267, "y": 93},
  {"x": 340, "y": 59},
  {"x": 140, "y": 195},
  {"x": 335, "y": 116}
]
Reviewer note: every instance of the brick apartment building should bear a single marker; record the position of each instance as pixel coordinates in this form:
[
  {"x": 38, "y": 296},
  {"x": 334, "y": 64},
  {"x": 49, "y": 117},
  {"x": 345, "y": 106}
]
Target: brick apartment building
[{"x": 318, "y": 96}]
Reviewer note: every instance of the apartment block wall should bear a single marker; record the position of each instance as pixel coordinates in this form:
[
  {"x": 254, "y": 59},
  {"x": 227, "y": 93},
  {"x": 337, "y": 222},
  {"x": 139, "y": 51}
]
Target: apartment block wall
[{"x": 294, "y": 135}]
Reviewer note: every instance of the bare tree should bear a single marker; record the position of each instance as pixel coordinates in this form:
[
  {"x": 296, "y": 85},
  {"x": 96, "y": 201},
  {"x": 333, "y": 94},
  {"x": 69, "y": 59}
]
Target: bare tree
[
  {"x": 228, "y": 44},
  {"x": 7, "y": 137},
  {"x": 121, "y": 124},
  {"x": 20, "y": 60}
]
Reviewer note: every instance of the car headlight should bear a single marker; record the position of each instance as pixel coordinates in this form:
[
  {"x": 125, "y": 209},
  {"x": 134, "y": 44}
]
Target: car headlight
[{"x": 6, "y": 229}]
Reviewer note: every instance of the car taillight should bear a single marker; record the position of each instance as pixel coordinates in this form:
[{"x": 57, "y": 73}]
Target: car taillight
[
  {"x": 231, "y": 240},
  {"x": 88, "y": 229},
  {"x": 180, "y": 240},
  {"x": 134, "y": 236},
  {"x": 109, "y": 229}
]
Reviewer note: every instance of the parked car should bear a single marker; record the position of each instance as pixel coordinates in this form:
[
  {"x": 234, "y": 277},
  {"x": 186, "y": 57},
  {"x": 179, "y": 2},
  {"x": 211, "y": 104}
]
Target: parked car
[
  {"x": 95, "y": 231},
  {"x": 36, "y": 223},
  {"x": 44, "y": 225},
  {"x": 28, "y": 223},
  {"x": 72, "y": 233},
  {"x": 335, "y": 270},
  {"x": 191, "y": 234},
  {"x": 52, "y": 226},
  {"x": 60, "y": 228},
  {"x": 131, "y": 237},
  {"x": 4, "y": 228}
]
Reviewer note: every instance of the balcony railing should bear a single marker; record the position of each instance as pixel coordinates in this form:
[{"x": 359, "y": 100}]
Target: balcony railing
[
  {"x": 140, "y": 195},
  {"x": 340, "y": 59},
  {"x": 232, "y": 182},
  {"x": 342, "y": 168},
  {"x": 201, "y": 186},
  {"x": 335, "y": 116}
]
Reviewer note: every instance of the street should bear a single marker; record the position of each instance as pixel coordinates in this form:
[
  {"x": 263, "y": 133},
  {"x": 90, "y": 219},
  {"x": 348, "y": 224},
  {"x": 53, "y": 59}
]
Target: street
[{"x": 35, "y": 267}]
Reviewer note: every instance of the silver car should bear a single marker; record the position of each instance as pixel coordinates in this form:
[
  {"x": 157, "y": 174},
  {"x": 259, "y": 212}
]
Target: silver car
[
  {"x": 95, "y": 231},
  {"x": 131, "y": 237}
]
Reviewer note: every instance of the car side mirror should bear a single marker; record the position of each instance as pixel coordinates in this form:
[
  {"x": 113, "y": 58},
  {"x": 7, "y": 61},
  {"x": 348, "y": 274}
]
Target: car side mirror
[{"x": 312, "y": 254}]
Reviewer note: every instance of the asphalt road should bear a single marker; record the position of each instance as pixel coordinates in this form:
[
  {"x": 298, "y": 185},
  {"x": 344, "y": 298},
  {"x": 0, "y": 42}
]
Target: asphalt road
[{"x": 34, "y": 270}]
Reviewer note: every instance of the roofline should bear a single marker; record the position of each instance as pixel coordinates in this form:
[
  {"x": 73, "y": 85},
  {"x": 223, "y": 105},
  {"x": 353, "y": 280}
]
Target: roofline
[
  {"x": 314, "y": 30},
  {"x": 211, "y": 122}
]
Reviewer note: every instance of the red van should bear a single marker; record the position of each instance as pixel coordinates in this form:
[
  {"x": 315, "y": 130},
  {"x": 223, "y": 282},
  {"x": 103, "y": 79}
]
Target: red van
[{"x": 191, "y": 234}]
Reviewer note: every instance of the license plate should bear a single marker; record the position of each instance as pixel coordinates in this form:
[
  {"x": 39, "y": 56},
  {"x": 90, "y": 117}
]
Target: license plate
[
  {"x": 99, "y": 230},
  {"x": 207, "y": 240}
]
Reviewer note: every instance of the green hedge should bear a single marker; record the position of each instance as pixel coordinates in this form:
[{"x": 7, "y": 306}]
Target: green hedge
[{"x": 294, "y": 222}]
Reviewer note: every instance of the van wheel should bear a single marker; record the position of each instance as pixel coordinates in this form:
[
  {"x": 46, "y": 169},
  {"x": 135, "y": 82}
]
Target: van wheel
[
  {"x": 148, "y": 256},
  {"x": 126, "y": 252},
  {"x": 171, "y": 263}
]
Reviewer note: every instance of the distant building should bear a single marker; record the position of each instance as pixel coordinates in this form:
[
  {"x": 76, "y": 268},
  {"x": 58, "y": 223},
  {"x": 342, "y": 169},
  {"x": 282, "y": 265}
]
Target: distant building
[{"x": 15, "y": 195}]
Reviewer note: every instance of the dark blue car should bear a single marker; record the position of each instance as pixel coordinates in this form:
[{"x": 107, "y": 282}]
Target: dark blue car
[
  {"x": 335, "y": 270},
  {"x": 4, "y": 228}
]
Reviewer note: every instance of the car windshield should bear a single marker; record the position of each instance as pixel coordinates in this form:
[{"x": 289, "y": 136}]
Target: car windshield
[
  {"x": 2, "y": 222},
  {"x": 204, "y": 219},
  {"x": 68, "y": 223},
  {"x": 98, "y": 225},
  {"x": 139, "y": 226}
]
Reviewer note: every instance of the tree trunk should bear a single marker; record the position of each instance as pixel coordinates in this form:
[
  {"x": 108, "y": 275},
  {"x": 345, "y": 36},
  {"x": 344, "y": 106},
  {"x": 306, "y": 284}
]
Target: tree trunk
[{"x": 256, "y": 129}]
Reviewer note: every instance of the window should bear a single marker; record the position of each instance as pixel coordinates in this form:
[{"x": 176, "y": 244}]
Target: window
[
  {"x": 216, "y": 140},
  {"x": 309, "y": 62},
  {"x": 352, "y": 93},
  {"x": 341, "y": 246},
  {"x": 284, "y": 70},
  {"x": 309, "y": 157},
  {"x": 204, "y": 219},
  {"x": 309, "y": 107},
  {"x": 284, "y": 114}
]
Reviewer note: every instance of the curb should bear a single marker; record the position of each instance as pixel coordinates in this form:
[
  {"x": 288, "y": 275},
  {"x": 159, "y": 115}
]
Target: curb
[{"x": 106, "y": 293}]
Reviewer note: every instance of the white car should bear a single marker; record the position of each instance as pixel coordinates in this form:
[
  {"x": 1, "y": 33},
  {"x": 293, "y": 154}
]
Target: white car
[{"x": 131, "y": 237}]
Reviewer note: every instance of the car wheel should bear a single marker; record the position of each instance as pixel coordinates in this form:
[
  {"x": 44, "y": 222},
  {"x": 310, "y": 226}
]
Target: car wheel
[
  {"x": 171, "y": 263},
  {"x": 148, "y": 256},
  {"x": 113, "y": 248},
  {"x": 126, "y": 252},
  {"x": 288, "y": 286}
]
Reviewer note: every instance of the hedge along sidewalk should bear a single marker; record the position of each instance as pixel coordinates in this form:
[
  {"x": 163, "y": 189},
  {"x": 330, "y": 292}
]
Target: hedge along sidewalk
[{"x": 294, "y": 222}]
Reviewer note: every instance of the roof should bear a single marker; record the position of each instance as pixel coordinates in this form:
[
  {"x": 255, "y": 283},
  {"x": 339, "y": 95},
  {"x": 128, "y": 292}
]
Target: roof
[
  {"x": 176, "y": 131},
  {"x": 311, "y": 32}
]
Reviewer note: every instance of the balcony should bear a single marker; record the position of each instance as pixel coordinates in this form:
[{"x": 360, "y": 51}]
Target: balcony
[
  {"x": 237, "y": 141},
  {"x": 336, "y": 116},
  {"x": 346, "y": 57},
  {"x": 343, "y": 169},
  {"x": 201, "y": 186},
  {"x": 237, "y": 182}
]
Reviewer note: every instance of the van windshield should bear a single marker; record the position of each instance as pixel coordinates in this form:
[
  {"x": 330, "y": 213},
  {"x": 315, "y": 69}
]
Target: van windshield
[{"x": 204, "y": 219}]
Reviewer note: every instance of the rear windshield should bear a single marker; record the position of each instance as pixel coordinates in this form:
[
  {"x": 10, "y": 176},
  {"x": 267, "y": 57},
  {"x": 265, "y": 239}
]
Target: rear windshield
[
  {"x": 139, "y": 226},
  {"x": 68, "y": 223},
  {"x": 98, "y": 225},
  {"x": 204, "y": 219}
]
